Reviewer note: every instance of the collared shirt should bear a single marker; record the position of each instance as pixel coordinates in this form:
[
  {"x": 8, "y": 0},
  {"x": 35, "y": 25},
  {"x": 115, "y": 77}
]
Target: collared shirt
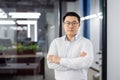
[{"x": 71, "y": 67}]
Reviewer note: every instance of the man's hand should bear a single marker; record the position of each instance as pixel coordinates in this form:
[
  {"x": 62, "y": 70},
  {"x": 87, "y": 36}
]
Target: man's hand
[
  {"x": 83, "y": 54},
  {"x": 54, "y": 59}
]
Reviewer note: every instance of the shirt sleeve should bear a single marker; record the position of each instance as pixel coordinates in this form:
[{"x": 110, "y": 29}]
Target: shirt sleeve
[
  {"x": 80, "y": 62},
  {"x": 53, "y": 51}
]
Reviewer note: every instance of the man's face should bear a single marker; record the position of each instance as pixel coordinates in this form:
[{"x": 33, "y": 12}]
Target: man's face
[{"x": 71, "y": 25}]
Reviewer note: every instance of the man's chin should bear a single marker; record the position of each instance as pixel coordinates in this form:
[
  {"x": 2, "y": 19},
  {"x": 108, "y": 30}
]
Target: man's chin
[{"x": 70, "y": 34}]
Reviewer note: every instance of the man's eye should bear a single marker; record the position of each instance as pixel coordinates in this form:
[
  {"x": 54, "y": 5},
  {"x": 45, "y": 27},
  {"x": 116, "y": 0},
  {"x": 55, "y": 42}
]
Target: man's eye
[
  {"x": 74, "y": 23},
  {"x": 68, "y": 23}
]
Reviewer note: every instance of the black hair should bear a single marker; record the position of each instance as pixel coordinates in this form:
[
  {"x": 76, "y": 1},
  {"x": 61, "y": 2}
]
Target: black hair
[{"x": 71, "y": 14}]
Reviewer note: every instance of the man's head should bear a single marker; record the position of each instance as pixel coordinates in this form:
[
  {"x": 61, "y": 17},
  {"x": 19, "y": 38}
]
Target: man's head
[
  {"x": 71, "y": 14},
  {"x": 71, "y": 23}
]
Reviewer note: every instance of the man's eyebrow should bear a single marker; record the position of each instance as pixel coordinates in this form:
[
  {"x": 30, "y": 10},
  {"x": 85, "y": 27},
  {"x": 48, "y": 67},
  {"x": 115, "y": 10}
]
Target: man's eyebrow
[{"x": 71, "y": 21}]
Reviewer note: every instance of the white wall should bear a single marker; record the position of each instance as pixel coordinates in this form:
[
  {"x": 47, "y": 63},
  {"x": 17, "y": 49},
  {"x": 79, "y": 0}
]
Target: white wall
[
  {"x": 74, "y": 6},
  {"x": 95, "y": 27},
  {"x": 113, "y": 40}
]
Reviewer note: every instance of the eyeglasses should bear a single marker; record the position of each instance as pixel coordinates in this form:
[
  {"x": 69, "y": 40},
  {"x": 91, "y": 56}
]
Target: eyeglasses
[{"x": 67, "y": 23}]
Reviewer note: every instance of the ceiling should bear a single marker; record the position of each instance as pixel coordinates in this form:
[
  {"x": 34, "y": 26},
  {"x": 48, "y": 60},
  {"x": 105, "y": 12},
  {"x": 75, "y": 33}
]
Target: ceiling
[
  {"x": 26, "y": 3},
  {"x": 29, "y": 3}
]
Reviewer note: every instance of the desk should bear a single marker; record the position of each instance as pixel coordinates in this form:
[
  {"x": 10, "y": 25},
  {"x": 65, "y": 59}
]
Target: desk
[
  {"x": 21, "y": 66},
  {"x": 16, "y": 68},
  {"x": 22, "y": 56}
]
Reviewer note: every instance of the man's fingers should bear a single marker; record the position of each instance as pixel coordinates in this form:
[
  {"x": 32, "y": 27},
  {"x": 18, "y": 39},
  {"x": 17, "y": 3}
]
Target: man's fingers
[
  {"x": 51, "y": 57},
  {"x": 83, "y": 54}
]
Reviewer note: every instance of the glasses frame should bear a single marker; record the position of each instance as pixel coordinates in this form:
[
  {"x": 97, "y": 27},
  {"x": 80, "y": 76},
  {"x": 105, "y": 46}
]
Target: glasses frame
[{"x": 74, "y": 23}]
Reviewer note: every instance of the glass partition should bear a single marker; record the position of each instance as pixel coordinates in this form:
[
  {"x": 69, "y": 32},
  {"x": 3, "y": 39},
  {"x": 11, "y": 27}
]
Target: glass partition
[{"x": 27, "y": 27}]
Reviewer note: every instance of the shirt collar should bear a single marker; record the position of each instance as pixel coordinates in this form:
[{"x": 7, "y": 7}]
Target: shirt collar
[{"x": 74, "y": 38}]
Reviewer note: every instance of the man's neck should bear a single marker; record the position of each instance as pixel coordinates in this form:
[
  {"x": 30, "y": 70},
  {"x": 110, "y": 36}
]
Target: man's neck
[{"x": 70, "y": 37}]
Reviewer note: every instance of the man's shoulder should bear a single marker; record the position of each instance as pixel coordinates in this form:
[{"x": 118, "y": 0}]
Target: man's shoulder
[
  {"x": 85, "y": 39},
  {"x": 60, "y": 38}
]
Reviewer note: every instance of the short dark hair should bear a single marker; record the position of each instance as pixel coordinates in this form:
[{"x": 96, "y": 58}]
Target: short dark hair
[{"x": 71, "y": 14}]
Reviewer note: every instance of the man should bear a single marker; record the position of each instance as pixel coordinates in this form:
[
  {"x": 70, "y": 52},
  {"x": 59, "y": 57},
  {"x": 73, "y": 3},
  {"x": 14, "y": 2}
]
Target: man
[{"x": 71, "y": 55}]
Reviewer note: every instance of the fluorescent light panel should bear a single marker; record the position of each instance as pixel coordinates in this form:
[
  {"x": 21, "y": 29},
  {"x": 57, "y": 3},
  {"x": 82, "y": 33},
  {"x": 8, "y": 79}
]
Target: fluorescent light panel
[
  {"x": 32, "y": 15},
  {"x": 29, "y": 22},
  {"x": 18, "y": 28},
  {"x": 3, "y": 15},
  {"x": 6, "y": 22},
  {"x": 99, "y": 15},
  {"x": 26, "y": 21}
]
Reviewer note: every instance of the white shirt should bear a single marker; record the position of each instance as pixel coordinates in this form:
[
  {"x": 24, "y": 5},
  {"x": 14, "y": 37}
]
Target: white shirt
[{"x": 71, "y": 67}]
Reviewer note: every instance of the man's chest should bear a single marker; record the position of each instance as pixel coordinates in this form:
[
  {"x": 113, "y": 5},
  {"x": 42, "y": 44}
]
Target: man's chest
[{"x": 69, "y": 49}]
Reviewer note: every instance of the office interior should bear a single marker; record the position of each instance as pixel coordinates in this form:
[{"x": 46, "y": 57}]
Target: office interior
[{"x": 27, "y": 28}]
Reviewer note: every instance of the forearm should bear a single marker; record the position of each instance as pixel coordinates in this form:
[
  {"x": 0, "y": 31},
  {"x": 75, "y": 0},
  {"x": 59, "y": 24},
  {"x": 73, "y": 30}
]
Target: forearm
[
  {"x": 56, "y": 66},
  {"x": 81, "y": 61},
  {"x": 53, "y": 63},
  {"x": 76, "y": 63}
]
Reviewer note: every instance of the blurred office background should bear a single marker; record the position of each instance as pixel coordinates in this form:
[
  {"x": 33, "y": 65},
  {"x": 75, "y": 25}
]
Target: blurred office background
[
  {"x": 27, "y": 28},
  {"x": 28, "y": 23}
]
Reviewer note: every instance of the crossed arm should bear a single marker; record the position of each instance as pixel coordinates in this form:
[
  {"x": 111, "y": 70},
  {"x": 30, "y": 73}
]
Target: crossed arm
[
  {"x": 56, "y": 59},
  {"x": 82, "y": 60}
]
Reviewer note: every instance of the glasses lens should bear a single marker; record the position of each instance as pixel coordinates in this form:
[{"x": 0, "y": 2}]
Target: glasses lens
[{"x": 72, "y": 23}]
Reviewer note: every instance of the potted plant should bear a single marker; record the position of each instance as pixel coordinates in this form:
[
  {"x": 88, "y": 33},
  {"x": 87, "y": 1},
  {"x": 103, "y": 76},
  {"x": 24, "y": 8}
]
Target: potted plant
[
  {"x": 27, "y": 49},
  {"x": 2, "y": 49}
]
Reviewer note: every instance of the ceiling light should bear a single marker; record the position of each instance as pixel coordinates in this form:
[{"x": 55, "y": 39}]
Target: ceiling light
[
  {"x": 99, "y": 15},
  {"x": 2, "y": 14},
  {"x": 7, "y": 22},
  {"x": 26, "y": 21},
  {"x": 31, "y": 15}
]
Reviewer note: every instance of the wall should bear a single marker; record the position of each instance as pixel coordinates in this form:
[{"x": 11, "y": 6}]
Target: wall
[
  {"x": 74, "y": 6},
  {"x": 95, "y": 27},
  {"x": 113, "y": 40}
]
